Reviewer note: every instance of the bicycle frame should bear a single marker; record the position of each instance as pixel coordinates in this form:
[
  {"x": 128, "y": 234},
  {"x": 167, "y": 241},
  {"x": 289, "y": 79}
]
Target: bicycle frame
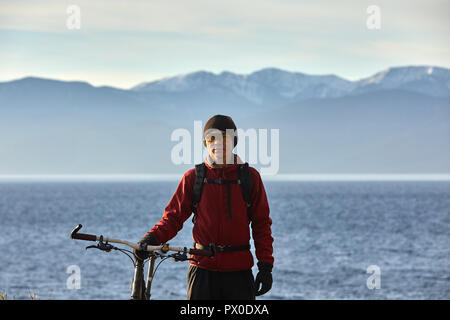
[{"x": 140, "y": 290}]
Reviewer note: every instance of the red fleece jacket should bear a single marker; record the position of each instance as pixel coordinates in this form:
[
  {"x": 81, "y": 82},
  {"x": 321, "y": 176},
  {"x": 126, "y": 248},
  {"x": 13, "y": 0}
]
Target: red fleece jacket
[{"x": 213, "y": 224}]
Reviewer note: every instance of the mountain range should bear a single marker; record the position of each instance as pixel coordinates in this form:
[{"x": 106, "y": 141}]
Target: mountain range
[
  {"x": 270, "y": 84},
  {"x": 395, "y": 121}
]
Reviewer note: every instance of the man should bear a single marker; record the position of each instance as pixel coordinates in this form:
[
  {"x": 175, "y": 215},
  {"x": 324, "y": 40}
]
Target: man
[{"x": 222, "y": 222}]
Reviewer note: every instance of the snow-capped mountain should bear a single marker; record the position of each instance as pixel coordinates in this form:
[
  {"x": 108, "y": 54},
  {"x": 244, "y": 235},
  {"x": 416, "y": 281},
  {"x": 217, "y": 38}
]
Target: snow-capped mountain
[
  {"x": 271, "y": 84},
  {"x": 266, "y": 85},
  {"x": 429, "y": 80}
]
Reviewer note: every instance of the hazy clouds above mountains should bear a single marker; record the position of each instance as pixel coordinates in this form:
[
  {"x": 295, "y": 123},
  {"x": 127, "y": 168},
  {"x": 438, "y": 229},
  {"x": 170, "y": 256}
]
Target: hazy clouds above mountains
[{"x": 121, "y": 43}]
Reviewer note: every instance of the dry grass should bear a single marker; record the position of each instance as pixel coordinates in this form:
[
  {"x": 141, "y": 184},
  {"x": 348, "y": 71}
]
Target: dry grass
[
  {"x": 33, "y": 295},
  {"x": 4, "y": 295}
]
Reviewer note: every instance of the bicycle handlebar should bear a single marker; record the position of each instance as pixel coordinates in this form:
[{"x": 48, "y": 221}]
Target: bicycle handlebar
[
  {"x": 164, "y": 247},
  {"x": 82, "y": 236}
]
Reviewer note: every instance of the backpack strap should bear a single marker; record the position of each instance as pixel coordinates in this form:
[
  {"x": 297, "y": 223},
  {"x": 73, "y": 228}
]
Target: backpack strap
[
  {"x": 200, "y": 174},
  {"x": 245, "y": 178}
]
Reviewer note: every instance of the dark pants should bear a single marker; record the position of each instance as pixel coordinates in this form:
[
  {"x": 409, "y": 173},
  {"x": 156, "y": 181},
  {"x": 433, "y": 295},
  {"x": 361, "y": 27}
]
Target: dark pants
[{"x": 213, "y": 285}]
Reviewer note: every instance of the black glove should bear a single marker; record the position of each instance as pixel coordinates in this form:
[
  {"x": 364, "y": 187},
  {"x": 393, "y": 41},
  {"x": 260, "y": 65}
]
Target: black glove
[
  {"x": 147, "y": 240},
  {"x": 263, "y": 278}
]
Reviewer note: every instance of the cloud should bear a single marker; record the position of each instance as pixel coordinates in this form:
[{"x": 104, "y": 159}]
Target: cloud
[
  {"x": 221, "y": 17},
  {"x": 160, "y": 37}
]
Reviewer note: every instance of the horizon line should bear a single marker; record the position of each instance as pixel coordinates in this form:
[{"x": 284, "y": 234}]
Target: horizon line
[{"x": 177, "y": 177}]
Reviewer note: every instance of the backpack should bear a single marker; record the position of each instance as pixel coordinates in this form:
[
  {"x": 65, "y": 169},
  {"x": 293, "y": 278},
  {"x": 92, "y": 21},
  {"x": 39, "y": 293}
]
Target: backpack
[{"x": 244, "y": 179}]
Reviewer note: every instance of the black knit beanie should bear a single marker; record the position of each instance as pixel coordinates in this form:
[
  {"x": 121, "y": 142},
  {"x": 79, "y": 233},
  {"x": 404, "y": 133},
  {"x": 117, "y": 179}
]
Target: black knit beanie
[{"x": 222, "y": 123}]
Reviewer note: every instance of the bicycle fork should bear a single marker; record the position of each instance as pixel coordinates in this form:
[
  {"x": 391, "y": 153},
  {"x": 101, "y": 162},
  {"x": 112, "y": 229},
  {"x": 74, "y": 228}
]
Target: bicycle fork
[{"x": 140, "y": 291}]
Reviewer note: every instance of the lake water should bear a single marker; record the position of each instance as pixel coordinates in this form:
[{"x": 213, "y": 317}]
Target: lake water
[{"x": 326, "y": 235}]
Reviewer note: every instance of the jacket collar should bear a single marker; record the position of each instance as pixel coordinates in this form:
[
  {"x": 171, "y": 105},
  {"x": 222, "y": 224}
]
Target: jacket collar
[{"x": 209, "y": 161}]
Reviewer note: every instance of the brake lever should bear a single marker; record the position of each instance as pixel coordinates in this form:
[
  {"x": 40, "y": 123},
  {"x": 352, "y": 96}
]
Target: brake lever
[{"x": 102, "y": 246}]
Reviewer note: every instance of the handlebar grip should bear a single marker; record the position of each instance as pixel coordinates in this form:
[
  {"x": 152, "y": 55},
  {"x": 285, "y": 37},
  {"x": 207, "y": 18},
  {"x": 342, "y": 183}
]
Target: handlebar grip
[
  {"x": 201, "y": 252},
  {"x": 82, "y": 236}
]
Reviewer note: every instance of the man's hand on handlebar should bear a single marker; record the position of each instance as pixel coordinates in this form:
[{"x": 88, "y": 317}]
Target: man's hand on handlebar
[
  {"x": 147, "y": 240},
  {"x": 140, "y": 250}
]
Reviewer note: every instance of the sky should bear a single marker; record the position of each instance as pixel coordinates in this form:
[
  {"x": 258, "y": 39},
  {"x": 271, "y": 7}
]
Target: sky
[{"x": 123, "y": 43}]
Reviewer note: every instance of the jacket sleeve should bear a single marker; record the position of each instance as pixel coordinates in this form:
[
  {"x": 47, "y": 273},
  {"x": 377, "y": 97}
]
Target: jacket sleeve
[
  {"x": 261, "y": 221},
  {"x": 177, "y": 211}
]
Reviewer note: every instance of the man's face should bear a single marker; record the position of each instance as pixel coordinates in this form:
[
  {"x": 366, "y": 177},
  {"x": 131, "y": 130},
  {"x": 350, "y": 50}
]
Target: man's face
[{"x": 219, "y": 144}]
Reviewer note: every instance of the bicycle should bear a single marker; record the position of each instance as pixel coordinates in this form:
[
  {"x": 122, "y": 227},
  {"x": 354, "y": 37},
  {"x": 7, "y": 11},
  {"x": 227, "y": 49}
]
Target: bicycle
[{"x": 139, "y": 289}]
